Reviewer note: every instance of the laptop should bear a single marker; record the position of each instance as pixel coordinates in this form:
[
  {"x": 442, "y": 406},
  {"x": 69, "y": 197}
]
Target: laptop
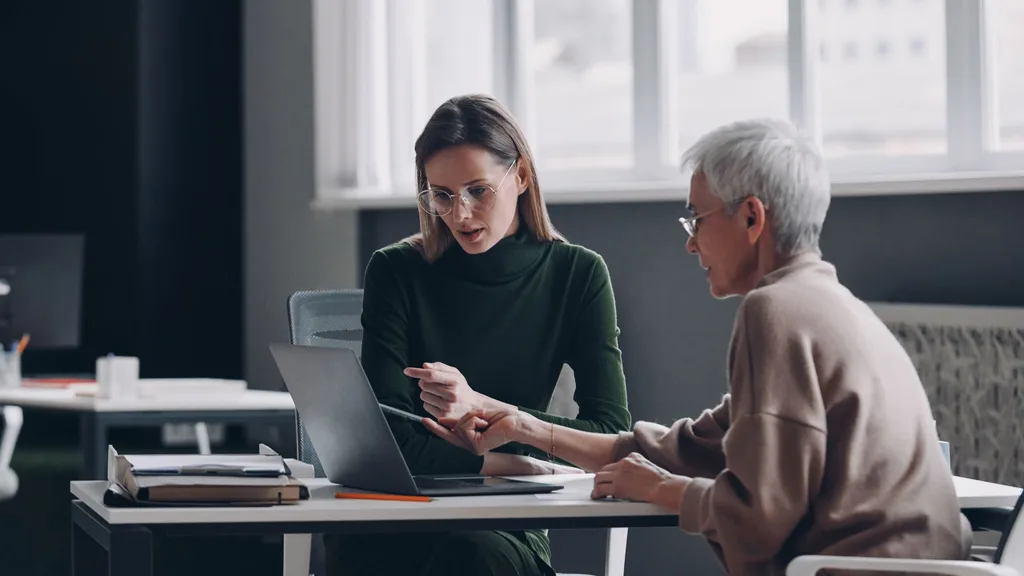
[{"x": 352, "y": 437}]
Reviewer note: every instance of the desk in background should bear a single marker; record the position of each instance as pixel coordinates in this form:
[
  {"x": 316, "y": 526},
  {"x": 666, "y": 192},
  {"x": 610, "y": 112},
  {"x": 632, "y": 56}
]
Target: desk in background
[
  {"x": 97, "y": 416},
  {"x": 126, "y": 534}
]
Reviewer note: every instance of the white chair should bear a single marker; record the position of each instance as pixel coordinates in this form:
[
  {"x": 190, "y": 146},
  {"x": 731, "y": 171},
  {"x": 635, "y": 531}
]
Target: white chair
[
  {"x": 12, "y": 426},
  {"x": 1007, "y": 561}
]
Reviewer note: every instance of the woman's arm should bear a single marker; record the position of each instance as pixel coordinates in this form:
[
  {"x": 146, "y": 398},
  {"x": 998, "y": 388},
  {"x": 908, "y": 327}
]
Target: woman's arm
[
  {"x": 588, "y": 450},
  {"x": 595, "y": 358},
  {"x": 482, "y": 431}
]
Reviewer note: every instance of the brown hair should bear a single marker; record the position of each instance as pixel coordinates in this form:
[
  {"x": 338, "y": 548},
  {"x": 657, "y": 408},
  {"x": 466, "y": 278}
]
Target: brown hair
[{"x": 478, "y": 120}]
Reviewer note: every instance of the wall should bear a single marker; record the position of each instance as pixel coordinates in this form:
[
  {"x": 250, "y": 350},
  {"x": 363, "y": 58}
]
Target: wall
[
  {"x": 67, "y": 156},
  {"x": 954, "y": 248},
  {"x": 190, "y": 187},
  {"x": 288, "y": 247},
  {"x": 121, "y": 122}
]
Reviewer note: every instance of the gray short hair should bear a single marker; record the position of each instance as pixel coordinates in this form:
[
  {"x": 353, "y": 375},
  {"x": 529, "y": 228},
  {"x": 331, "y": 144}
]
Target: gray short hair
[{"x": 775, "y": 162}]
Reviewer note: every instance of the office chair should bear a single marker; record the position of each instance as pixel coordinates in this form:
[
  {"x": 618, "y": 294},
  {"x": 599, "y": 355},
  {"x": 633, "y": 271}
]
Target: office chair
[
  {"x": 332, "y": 318},
  {"x": 1008, "y": 559},
  {"x": 12, "y": 426},
  {"x": 327, "y": 318}
]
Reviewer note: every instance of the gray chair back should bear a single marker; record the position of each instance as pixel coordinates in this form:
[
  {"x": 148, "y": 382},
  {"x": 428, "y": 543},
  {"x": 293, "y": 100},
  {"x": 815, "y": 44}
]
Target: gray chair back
[{"x": 325, "y": 318}]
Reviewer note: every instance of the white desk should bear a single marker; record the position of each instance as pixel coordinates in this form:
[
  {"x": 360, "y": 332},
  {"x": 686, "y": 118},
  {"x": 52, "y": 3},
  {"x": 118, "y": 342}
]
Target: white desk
[
  {"x": 97, "y": 415},
  {"x": 977, "y": 494},
  {"x": 126, "y": 533}
]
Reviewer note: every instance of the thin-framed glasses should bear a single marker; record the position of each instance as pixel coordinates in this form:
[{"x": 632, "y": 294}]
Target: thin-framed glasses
[
  {"x": 477, "y": 197},
  {"x": 692, "y": 224}
]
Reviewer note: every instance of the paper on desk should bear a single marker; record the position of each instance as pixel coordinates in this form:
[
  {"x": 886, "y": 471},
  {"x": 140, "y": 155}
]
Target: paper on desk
[{"x": 226, "y": 464}]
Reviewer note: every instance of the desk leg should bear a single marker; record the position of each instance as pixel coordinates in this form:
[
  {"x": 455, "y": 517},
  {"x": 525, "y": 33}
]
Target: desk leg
[
  {"x": 92, "y": 440},
  {"x": 87, "y": 555},
  {"x": 131, "y": 552},
  {"x": 97, "y": 549}
]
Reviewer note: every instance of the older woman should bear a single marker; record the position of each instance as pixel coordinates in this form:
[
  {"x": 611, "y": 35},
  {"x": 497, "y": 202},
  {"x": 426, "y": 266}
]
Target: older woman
[{"x": 825, "y": 443}]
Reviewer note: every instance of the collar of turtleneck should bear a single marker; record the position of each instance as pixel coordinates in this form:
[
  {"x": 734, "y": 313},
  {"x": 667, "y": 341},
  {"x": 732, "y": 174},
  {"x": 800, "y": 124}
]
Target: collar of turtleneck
[{"x": 510, "y": 258}]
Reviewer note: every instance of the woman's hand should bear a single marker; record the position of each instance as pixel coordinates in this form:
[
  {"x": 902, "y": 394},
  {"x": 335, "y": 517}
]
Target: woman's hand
[
  {"x": 479, "y": 431},
  {"x": 499, "y": 464},
  {"x": 637, "y": 478},
  {"x": 446, "y": 394}
]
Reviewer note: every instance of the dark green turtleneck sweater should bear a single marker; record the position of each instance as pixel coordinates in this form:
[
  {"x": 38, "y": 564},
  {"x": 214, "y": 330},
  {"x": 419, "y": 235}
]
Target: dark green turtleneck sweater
[{"x": 508, "y": 319}]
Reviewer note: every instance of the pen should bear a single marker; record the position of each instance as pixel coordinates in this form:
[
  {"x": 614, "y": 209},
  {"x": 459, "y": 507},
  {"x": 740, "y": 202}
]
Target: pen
[{"x": 394, "y": 497}]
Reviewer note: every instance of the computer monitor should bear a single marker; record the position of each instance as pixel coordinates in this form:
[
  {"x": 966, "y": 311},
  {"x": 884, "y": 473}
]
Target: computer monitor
[{"x": 41, "y": 289}]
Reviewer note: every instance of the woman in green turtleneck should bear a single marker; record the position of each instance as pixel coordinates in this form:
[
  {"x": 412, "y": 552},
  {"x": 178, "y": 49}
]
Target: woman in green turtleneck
[{"x": 481, "y": 310}]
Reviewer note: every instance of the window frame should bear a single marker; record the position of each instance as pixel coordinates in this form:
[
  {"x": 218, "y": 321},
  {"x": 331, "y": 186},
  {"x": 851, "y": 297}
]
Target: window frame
[{"x": 370, "y": 77}]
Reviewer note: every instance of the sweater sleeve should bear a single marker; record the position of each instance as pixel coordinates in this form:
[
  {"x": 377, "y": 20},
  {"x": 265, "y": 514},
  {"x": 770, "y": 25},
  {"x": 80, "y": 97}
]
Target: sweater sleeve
[
  {"x": 596, "y": 361},
  {"x": 385, "y": 354},
  {"x": 774, "y": 451},
  {"x": 689, "y": 447}
]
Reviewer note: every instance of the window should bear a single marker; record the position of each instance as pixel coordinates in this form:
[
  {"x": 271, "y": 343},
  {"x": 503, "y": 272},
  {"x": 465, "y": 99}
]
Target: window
[
  {"x": 460, "y": 49},
  {"x": 740, "y": 49},
  {"x": 1007, "y": 17},
  {"x": 611, "y": 91},
  {"x": 582, "y": 65},
  {"x": 850, "y": 50},
  {"x": 917, "y": 47},
  {"x": 884, "y": 106}
]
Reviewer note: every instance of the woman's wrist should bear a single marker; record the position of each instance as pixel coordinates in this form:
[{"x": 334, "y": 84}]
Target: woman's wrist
[
  {"x": 487, "y": 403},
  {"x": 669, "y": 492},
  {"x": 531, "y": 430}
]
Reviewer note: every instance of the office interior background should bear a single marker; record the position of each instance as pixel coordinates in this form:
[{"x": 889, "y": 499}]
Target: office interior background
[{"x": 218, "y": 156}]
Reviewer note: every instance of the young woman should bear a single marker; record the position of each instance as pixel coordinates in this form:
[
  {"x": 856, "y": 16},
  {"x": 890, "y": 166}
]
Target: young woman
[{"x": 480, "y": 311}]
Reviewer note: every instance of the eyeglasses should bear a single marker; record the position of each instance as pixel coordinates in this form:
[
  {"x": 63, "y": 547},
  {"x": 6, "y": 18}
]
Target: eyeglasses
[
  {"x": 691, "y": 224},
  {"x": 477, "y": 197}
]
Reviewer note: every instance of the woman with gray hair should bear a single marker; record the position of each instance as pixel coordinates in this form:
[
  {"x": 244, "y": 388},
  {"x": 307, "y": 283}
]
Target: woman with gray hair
[{"x": 825, "y": 443}]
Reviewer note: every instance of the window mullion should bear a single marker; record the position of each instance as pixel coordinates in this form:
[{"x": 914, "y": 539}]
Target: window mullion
[
  {"x": 655, "y": 87},
  {"x": 804, "y": 39},
  {"x": 965, "y": 83},
  {"x": 513, "y": 72},
  {"x": 351, "y": 94},
  {"x": 407, "y": 57},
  {"x": 989, "y": 78}
]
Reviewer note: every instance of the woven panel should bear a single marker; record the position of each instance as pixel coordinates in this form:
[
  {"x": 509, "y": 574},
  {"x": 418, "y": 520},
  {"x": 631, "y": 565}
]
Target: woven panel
[
  {"x": 971, "y": 363},
  {"x": 325, "y": 318}
]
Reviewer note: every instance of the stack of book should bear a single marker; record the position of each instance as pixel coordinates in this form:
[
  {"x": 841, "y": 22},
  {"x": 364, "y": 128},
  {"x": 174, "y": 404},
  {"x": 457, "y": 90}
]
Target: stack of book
[{"x": 209, "y": 480}]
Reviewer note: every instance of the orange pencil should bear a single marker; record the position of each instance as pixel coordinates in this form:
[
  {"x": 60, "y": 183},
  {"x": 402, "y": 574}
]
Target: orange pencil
[
  {"x": 22, "y": 344},
  {"x": 369, "y": 496}
]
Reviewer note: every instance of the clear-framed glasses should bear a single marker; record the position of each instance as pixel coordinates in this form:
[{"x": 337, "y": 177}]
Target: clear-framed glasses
[
  {"x": 477, "y": 197},
  {"x": 692, "y": 224}
]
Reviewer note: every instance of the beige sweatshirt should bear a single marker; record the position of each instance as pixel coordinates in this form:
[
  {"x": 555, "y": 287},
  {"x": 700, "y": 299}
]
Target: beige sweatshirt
[{"x": 825, "y": 443}]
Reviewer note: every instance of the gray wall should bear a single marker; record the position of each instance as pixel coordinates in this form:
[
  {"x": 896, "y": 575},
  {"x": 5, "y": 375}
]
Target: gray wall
[
  {"x": 955, "y": 248},
  {"x": 288, "y": 247}
]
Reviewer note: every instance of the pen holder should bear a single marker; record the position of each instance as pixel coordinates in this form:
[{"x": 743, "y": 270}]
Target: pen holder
[
  {"x": 117, "y": 377},
  {"x": 10, "y": 370}
]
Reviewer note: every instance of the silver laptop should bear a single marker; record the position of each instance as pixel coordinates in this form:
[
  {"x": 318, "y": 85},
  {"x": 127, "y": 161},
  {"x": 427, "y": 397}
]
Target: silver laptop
[{"x": 351, "y": 435}]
